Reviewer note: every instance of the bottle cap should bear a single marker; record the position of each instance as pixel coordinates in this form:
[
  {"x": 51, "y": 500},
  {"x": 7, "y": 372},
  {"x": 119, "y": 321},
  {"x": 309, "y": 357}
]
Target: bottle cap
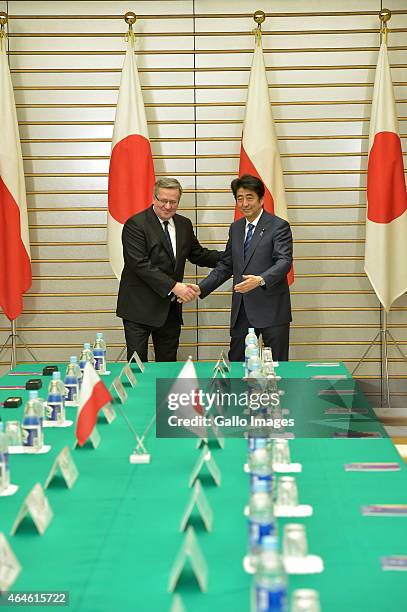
[
  {"x": 86, "y": 345},
  {"x": 56, "y": 375},
  {"x": 99, "y": 335},
  {"x": 32, "y": 395},
  {"x": 251, "y": 330},
  {"x": 73, "y": 359}
]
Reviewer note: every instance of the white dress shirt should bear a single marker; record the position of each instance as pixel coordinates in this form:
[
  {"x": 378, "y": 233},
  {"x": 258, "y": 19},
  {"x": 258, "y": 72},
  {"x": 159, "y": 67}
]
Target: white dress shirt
[{"x": 252, "y": 223}]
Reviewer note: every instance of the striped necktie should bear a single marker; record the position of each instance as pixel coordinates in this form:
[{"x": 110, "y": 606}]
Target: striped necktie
[{"x": 248, "y": 239}]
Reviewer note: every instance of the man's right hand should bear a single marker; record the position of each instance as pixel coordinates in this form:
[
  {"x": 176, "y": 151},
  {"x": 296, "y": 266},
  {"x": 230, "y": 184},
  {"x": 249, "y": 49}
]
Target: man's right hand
[{"x": 186, "y": 293}]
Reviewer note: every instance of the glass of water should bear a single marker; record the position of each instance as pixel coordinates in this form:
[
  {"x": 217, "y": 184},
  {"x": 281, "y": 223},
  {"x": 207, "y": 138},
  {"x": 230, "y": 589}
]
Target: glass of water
[
  {"x": 305, "y": 600},
  {"x": 13, "y": 431},
  {"x": 281, "y": 451},
  {"x": 287, "y": 492},
  {"x": 295, "y": 541}
]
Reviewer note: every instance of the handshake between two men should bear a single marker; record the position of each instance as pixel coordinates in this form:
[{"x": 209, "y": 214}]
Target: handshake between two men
[{"x": 187, "y": 292}]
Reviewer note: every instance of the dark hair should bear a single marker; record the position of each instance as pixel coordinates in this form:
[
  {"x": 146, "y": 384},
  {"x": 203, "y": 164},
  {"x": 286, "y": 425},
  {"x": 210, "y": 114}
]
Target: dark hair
[{"x": 247, "y": 181}]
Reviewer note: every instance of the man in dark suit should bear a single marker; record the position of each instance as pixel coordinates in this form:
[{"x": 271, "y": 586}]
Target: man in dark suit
[
  {"x": 259, "y": 256},
  {"x": 156, "y": 244}
]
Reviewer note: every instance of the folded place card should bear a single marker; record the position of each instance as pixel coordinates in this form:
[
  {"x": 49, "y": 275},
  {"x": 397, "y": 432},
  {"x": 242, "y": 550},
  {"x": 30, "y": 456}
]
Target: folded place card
[
  {"x": 36, "y": 506},
  {"x": 384, "y": 510},
  {"x": 117, "y": 387},
  {"x": 65, "y": 465},
  {"x": 128, "y": 373},
  {"x": 396, "y": 563},
  {"x": 109, "y": 412},
  {"x": 372, "y": 467},
  {"x": 205, "y": 458},
  {"x": 138, "y": 361},
  {"x": 198, "y": 499},
  {"x": 9, "y": 566},
  {"x": 189, "y": 551},
  {"x": 177, "y": 604}
]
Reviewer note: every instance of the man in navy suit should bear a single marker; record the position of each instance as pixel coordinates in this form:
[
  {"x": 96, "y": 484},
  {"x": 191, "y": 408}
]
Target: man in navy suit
[{"x": 258, "y": 255}]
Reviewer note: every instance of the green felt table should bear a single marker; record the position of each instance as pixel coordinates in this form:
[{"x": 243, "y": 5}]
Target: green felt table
[{"x": 115, "y": 535}]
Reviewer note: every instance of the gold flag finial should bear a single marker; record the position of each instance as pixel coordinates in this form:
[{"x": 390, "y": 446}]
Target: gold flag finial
[
  {"x": 259, "y": 17},
  {"x": 3, "y": 21},
  {"x": 130, "y": 18},
  {"x": 384, "y": 16}
]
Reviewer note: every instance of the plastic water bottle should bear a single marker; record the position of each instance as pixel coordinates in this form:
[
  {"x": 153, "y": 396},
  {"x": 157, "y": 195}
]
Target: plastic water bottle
[
  {"x": 251, "y": 337},
  {"x": 261, "y": 518},
  {"x": 86, "y": 355},
  {"x": 55, "y": 402},
  {"x": 31, "y": 425},
  {"x": 4, "y": 464},
  {"x": 255, "y": 443},
  {"x": 99, "y": 353},
  {"x": 251, "y": 350},
  {"x": 270, "y": 582},
  {"x": 78, "y": 372},
  {"x": 254, "y": 366},
  {"x": 71, "y": 380},
  {"x": 260, "y": 467},
  {"x": 38, "y": 404},
  {"x": 57, "y": 376}
]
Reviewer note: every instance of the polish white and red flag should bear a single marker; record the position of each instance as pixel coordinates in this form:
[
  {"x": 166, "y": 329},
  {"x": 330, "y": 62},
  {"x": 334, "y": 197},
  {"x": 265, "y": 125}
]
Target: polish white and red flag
[
  {"x": 131, "y": 171},
  {"x": 185, "y": 391},
  {"x": 15, "y": 259},
  {"x": 93, "y": 397},
  {"x": 386, "y": 214},
  {"x": 259, "y": 154}
]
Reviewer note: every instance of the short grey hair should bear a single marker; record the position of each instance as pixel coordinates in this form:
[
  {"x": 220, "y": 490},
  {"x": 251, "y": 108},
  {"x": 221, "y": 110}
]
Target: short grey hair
[{"x": 167, "y": 183}]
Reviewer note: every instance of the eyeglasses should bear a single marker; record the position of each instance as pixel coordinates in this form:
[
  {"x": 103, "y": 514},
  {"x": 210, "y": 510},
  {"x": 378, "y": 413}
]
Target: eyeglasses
[{"x": 164, "y": 202}]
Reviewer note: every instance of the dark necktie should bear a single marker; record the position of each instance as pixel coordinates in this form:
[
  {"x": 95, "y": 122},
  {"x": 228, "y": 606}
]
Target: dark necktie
[
  {"x": 168, "y": 237},
  {"x": 248, "y": 239}
]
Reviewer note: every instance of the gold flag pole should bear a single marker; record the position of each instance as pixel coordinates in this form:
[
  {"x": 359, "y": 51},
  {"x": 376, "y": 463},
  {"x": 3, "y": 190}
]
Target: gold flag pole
[
  {"x": 259, "y": 17},
  {"x": 130, "y": 18},
  {"x": 3, "y": 33},
  {"x": 384, "y": 16}
]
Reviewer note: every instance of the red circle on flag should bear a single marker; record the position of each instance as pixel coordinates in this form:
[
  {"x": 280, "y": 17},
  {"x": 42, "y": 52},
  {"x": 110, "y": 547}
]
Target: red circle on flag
[{"x": 386, "y": 186}]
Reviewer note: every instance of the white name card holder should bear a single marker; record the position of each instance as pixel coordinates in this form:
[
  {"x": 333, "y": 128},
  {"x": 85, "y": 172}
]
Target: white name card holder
[
  {"x": 93, "y": 440},
  {"x": 189, "y": 551},
  {"x": 120, "y": 391},
  {"x": 129, "y": 374},
  {"x": 109, "y": 413},
  {"x": 205, "y": 459},
  {"x": 137, "y": 361},
  {"x": 9, "y": 566},
  {"x": 199, "y": 500},
  {"x": 177, "y": 604},
  {"x": 36, "y": 506},
  {"x": 65, "y": 465}
]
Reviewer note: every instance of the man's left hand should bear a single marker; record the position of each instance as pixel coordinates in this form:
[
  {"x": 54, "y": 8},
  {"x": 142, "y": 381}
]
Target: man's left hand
[{"x": 249, "y": 283}]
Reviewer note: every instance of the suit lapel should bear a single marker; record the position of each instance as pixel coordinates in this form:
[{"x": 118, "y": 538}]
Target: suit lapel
[
  {"x": 158, "y": 229},
  {"x": 240, "y": 232},
  {"x": 178, "y": 238},
  {"x": 261, "y": 227}
]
